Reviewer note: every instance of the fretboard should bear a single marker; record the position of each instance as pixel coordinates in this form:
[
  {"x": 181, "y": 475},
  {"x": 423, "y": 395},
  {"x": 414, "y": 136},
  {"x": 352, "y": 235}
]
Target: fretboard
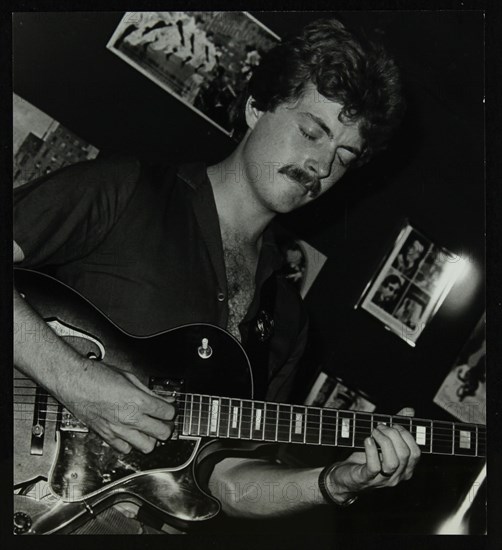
[{"x": 230, "y": 418}]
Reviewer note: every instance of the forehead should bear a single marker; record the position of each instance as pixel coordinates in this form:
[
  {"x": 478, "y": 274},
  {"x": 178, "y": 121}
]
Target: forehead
[{"x": 311, "y": 101}]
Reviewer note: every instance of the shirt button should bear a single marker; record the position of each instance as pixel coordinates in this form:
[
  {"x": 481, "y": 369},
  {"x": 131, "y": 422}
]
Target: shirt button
[{"x": 220, "y": 296}]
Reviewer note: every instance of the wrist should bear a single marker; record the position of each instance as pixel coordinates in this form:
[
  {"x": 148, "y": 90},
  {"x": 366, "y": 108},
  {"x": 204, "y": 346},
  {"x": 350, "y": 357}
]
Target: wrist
[{"x": 333, "y": 491}]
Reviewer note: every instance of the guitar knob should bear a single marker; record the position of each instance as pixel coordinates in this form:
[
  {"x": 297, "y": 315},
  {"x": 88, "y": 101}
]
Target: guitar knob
[
  {"x": 205, "y": 350},
  {"x": 22, "y": 523}
]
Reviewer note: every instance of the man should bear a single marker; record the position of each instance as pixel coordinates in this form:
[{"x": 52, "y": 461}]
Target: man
[
  {"x": 407, "y": 261},
  {"x": 388, "y": 293},
  {"x": 154, "y": 249}
]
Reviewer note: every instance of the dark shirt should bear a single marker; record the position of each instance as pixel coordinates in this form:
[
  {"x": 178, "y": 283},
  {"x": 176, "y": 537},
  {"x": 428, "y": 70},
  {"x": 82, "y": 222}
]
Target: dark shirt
[{"x": 144, "y": 245}]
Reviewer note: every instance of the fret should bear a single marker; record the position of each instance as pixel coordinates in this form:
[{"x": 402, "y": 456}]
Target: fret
[
  {"x": 284, "y": 423},
  {"x": 442, "y": 439},
  {"x": 453, "y": 440},
  {"x": 195, "y": 416},
  {"x": 345, "y": 429},
  {"x": 246, "y": 419},
  {"x": 329, "y": 426},
  {"x": 298, "y": 421},
  {"x": 258, "y": 420},
  {"x": 270, "y": 422},
  {"x": 235, "y": 416},
  {"x": 205, "y": 407},
  {"x": 362, "y": 429},
  {"x": 215, "y": 416},
  {"x": 313, "y": 426},
  {"x": 465, "y": 440},
  {"x": 421, "y": 431}
]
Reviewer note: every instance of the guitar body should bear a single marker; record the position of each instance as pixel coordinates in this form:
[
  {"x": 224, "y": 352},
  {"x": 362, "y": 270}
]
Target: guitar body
[{"x": 84, "y": 472}]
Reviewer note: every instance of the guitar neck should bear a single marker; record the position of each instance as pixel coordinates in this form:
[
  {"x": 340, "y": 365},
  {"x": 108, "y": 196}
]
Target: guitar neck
[{"x": 230, "y": 418}]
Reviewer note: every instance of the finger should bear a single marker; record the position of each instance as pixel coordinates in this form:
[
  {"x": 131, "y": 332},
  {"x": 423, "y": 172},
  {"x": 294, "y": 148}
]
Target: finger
[
  {"x": 414, "y": 451},
  {"x": 134, "y": 380},
  {"x": 155, "y": 428},
  {"x": 401, "y": 448},
  {"x": 373, "y": 464},
  {"x": 406, "y": 411},
  {"x": 389, "y": 460},
  {"x": 159, "y": 408},
  {"x": 119, "y": 445},
  {"x": 138, "y": 440}
]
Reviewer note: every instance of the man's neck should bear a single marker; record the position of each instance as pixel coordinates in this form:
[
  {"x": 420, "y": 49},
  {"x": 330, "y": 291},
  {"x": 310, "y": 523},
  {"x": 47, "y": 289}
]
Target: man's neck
[{"x": 239, "y": 212}]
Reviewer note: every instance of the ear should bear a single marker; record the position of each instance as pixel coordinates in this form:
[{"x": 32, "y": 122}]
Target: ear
[{"x": 252, "y": 113}]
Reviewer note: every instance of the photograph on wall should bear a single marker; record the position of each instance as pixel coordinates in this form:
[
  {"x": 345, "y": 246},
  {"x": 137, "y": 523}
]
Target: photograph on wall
[
  {"x": 463, "y": 391},
  {"x": 203, "y": 58},
  {"x": 412, "y": 283},
  {"x": 302, "y": 263},
  {"x": 40, "y": 145},
  {"x": 332, "y": 392}
]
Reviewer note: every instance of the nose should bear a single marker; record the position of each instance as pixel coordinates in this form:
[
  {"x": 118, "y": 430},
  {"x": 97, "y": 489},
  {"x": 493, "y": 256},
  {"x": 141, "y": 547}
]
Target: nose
[{"x": 320, "y": 167}]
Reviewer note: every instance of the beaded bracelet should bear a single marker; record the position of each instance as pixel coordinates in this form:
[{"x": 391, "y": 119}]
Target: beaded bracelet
[{"x": 323, "y": 476}]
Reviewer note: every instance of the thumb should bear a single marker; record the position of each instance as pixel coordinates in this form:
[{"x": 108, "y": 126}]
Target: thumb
[{"x": 407, "y": 411}]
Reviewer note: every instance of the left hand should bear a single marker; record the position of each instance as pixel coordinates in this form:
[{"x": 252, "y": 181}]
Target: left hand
[{"x": 391, "y": 455}]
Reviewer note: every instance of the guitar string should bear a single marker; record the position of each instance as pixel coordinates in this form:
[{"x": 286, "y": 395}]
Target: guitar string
[
  {"x": 437, "y": 439},
  {"x": 247, "y": 404},
  {"x": 364, "y": 417},
  {"x": 361, "y": 418},
  {"x": 187, "y": 399}
]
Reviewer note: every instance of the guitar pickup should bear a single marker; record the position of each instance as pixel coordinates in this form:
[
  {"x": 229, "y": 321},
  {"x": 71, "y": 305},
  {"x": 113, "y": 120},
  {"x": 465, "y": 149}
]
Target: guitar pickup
[{"x": 166, "y": 386}]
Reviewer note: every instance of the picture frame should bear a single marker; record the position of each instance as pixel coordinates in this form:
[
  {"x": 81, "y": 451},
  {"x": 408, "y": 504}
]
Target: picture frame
[
  {"x": 203, "y": 58},
  {"x": 411, "y": 283}
]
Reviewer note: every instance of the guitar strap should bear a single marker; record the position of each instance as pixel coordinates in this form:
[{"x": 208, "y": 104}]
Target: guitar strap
[{"x": 259, "y": 334}]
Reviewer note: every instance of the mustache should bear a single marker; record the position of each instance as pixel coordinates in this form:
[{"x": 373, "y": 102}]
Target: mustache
[{"x": 294, "y": 172}]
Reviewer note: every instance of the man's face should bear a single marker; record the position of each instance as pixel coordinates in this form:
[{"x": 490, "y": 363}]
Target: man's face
[
  {"x": 414, "y": 250},
  {"x": 389, "y": 290},
  {"x": 296, "y": 153}
]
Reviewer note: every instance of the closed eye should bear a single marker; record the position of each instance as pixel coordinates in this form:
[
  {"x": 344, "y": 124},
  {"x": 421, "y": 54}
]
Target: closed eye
[{"x": 307, "y": 136}]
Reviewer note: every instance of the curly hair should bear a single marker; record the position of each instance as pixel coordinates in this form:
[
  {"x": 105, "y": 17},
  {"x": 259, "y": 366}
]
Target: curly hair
[{"x": 355, "y": 72}]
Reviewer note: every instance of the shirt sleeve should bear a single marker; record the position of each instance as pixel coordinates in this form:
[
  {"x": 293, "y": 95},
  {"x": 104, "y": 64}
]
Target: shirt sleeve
[{"x": 65, "y": 215}]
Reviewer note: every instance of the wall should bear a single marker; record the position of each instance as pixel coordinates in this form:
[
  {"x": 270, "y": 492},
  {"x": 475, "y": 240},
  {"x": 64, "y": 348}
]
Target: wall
[{"x": 433, "y": 174}]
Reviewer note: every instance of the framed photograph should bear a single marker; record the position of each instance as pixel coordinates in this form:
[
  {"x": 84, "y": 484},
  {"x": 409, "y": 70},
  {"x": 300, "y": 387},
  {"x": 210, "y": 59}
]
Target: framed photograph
[
  {"x": 334, "y": 393},
  {"x": 463, "y": 391},
  {"x": 41, "y": 145},
  {"x": 203, "y": 58},
  {"x": 302, "y": 263},
  {"x": 411, "y": 284}
]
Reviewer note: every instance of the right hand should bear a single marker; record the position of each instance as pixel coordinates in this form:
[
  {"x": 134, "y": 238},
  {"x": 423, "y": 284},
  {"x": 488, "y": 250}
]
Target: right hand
[{"x": 118, "y": 407}]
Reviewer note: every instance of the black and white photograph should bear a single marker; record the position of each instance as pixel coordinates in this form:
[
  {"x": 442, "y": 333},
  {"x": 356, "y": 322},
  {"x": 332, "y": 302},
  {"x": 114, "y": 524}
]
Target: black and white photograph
[
  {"x": 204, "y": 58},
  {"x": 412, "y": 284},
  {"x": 249, "y": 247},
  {"x": 41, "y": 145}
]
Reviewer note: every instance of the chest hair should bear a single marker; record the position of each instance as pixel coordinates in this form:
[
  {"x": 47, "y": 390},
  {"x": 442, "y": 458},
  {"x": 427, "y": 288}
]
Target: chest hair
[{"x": 240, "y": 264}]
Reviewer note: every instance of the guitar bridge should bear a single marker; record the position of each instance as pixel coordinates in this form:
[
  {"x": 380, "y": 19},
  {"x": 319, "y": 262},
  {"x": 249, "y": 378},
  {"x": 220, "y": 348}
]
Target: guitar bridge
[{"x": 71, "y": 424}]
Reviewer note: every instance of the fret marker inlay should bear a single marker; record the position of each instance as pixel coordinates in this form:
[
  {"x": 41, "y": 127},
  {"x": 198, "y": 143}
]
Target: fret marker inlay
[
  {"x": 345, "y": 427},
  {"x": 465, "y": 439},
  {"x": 235, "y": 416},
  {"x": 215, "y": 405},
  {"x": 421, "y": 436},
  {"x": 257, "y": 422},
  {"x": 298, "y": 423}
]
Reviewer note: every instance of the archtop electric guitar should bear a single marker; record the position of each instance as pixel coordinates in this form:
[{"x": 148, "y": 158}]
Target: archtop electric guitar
[{"x": 208, "y": 372}]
